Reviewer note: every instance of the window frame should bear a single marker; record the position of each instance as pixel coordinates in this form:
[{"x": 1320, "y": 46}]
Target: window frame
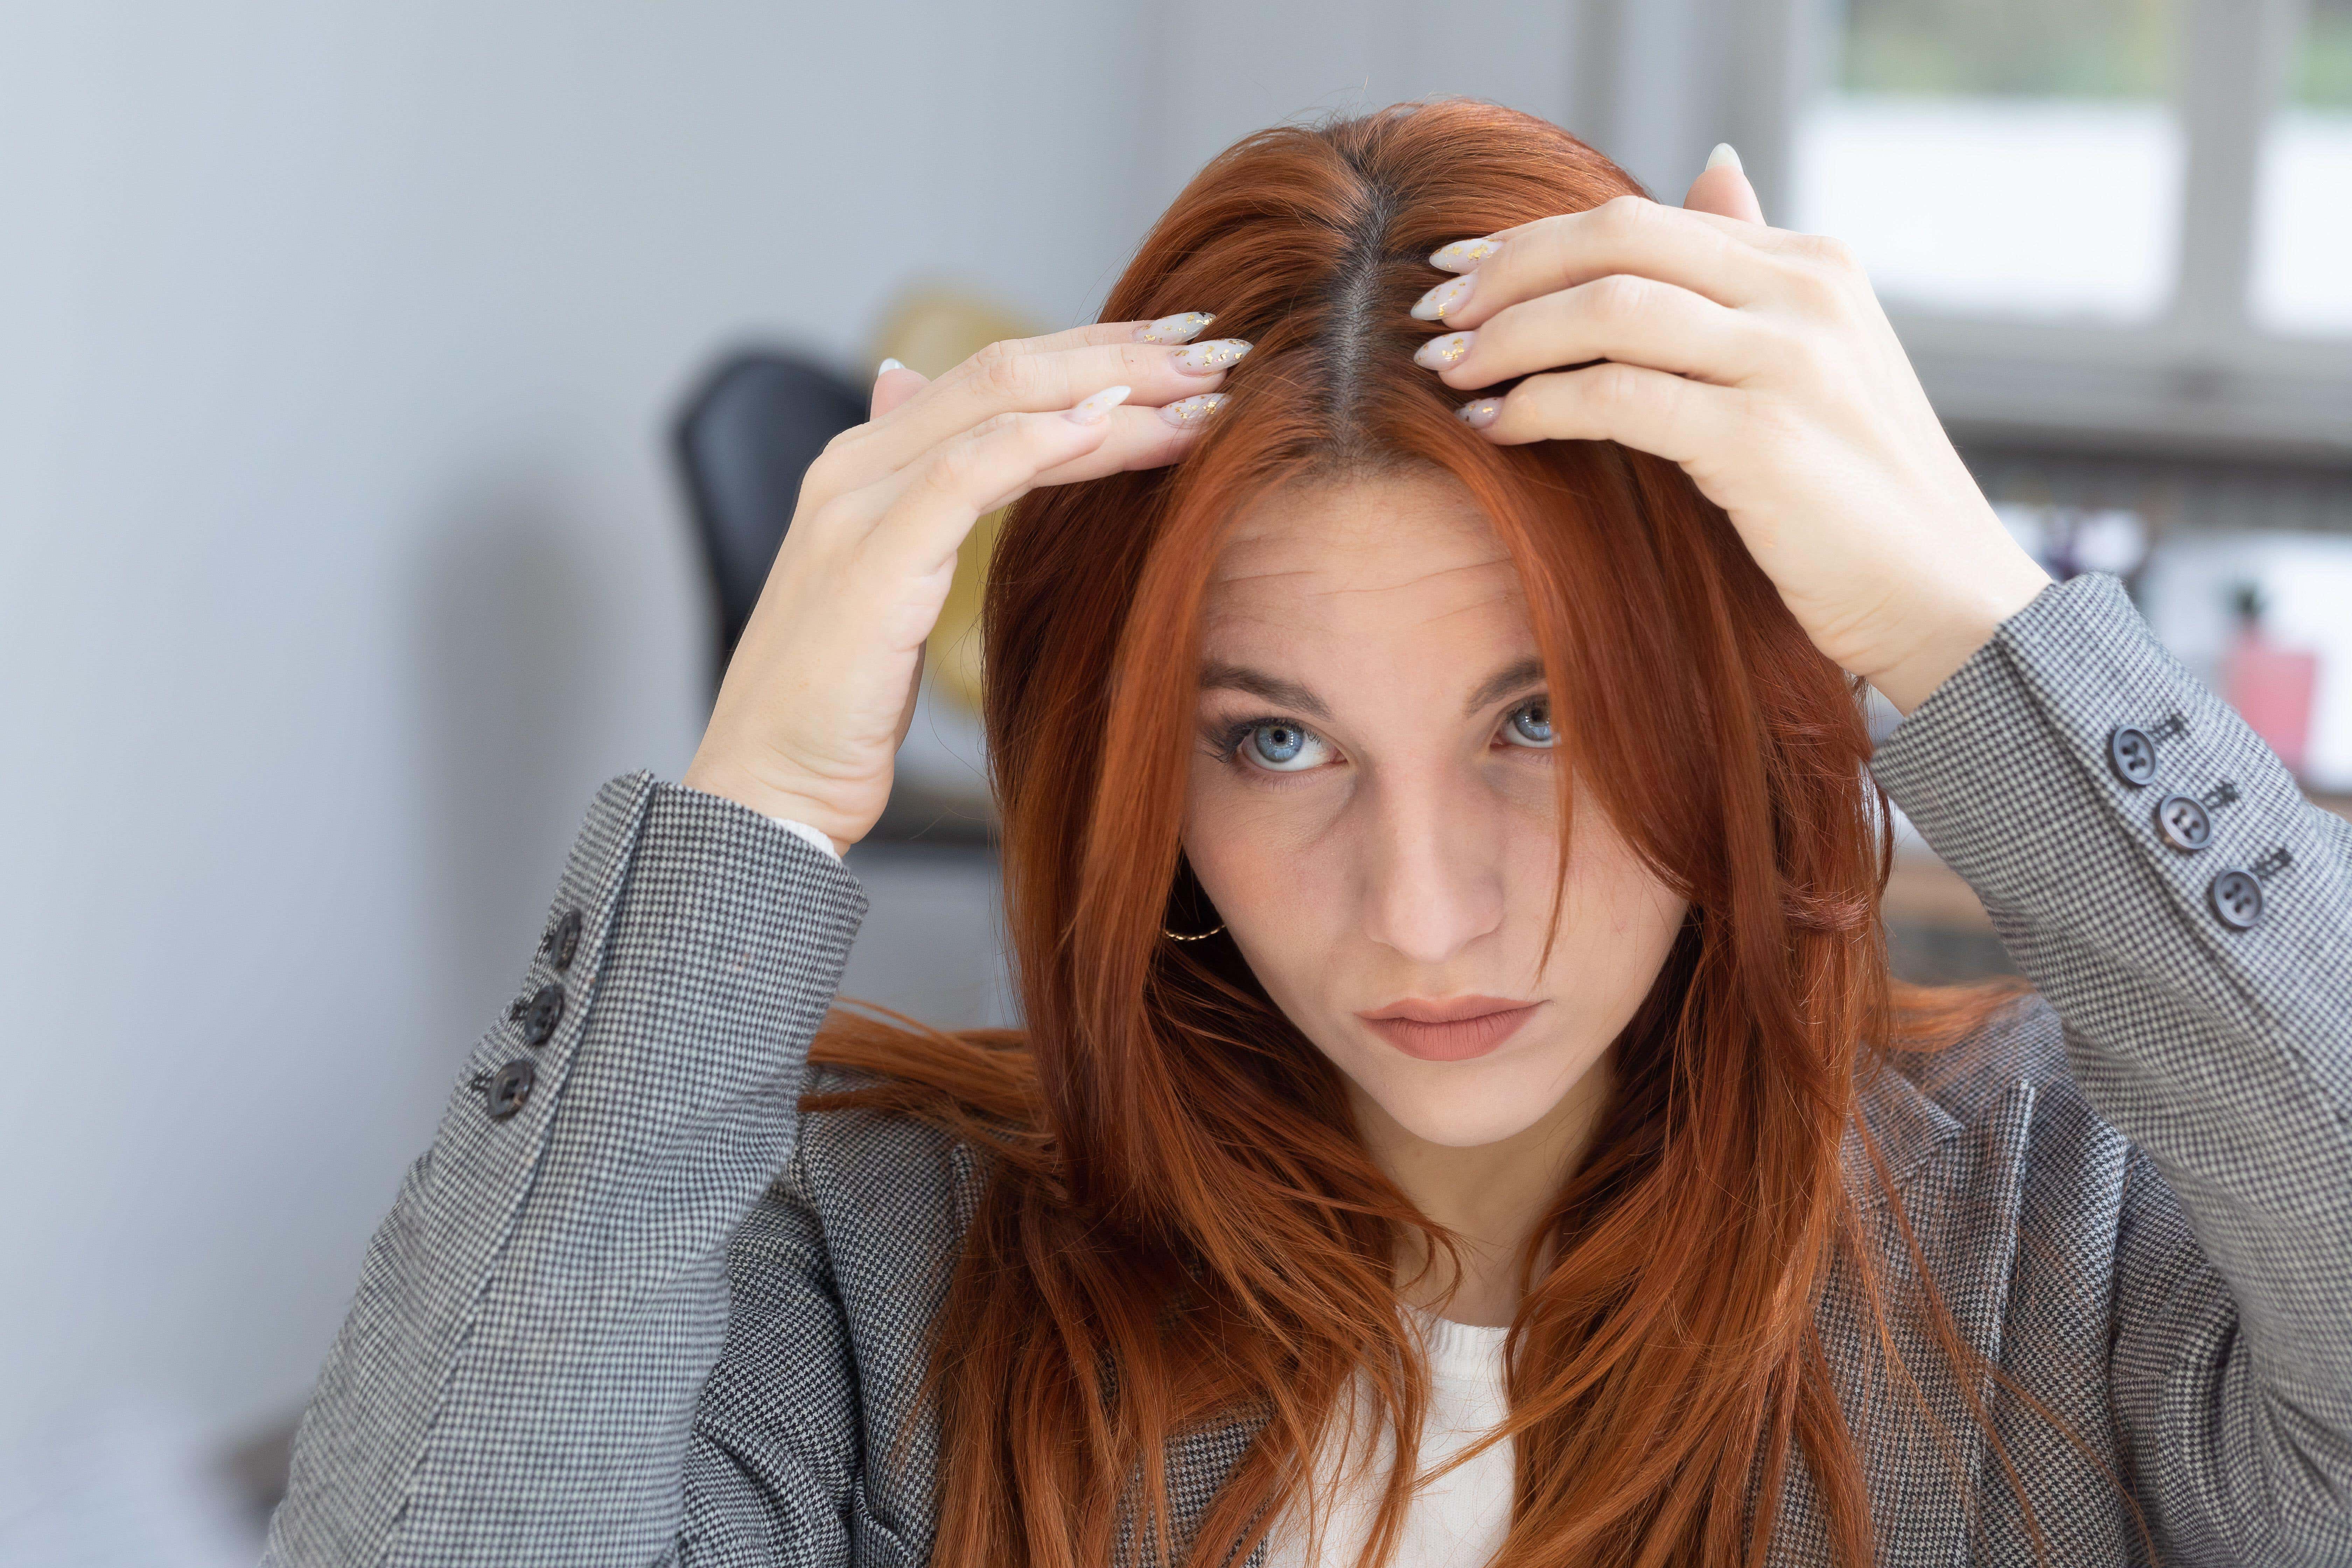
[{"x": 2203, "y": 377}]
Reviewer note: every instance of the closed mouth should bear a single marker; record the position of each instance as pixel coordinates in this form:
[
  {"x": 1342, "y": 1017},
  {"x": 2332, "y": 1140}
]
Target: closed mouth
[{"x": 1453, "y": 1030}]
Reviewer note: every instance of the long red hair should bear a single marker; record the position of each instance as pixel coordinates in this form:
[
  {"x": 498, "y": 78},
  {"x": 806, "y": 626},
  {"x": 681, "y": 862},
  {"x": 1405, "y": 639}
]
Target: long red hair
[{"x": 1181, "y": 1229}]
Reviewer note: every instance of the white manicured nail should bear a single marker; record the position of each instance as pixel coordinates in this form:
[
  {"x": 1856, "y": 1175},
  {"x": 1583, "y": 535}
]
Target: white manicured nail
[
  {"x": 1725, "y": 156},
  {"x": 1096, "y": 409},
  {"x": 1463, "y": 254},
  {"x": 1188, "y": 411},
  {"x": 1481, "y": 414},
  {"x": 1181, "y": 328},
  {"x": 1446, "y": 295},
  {"x": 1439, "y": 352},
  {"x": 886, "y": 367},
  {"x": 1213, "y": 355}
]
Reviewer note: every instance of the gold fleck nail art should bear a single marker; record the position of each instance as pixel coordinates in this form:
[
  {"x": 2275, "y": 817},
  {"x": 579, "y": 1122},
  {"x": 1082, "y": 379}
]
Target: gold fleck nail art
[
  {"x": 1192, "y": 410},
  {"x": 1439, "y": 352},
  {"x": 1214, "y": 354},
  {"x": 1181, "y": 328},
  {"x": 1463, "y": 254},
  {"x": 1445, "y": 296},
  {"x": 1093, "y": 410}
]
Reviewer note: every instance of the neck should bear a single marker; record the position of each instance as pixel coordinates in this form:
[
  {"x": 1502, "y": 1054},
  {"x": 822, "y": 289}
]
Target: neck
[{"x": 1490, "y": 1196}]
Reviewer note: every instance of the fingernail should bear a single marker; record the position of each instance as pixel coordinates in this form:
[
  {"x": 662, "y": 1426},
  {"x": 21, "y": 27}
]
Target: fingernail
[
  {"x": 1192, "y": 410},
  {"x": 1179, "y": 328},
  {"x": 1096, "y": 409},
  {"x": 1463, "y": 254},
  {"x": 1214, "y": 354},
  {"x": 1481, "y": 414},
  {"x": 1439, "y": 352},
  {"x": 886, "y": 367},
  {"x": 1446, "y": 295},
  {"x": 1725, "y": 156}
]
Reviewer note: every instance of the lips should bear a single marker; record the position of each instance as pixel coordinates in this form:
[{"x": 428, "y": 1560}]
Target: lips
[{"x": 1454, "y": 1029}]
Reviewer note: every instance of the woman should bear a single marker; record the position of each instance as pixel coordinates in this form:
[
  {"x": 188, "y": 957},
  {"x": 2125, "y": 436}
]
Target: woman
[{"x": 1462, "y": 1111}]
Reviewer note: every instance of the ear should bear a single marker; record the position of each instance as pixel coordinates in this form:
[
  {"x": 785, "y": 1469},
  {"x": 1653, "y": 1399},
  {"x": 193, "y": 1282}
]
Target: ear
[{"x": 1722, "y": 188}]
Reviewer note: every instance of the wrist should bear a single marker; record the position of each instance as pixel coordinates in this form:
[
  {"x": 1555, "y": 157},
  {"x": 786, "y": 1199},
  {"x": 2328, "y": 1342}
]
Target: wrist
[
  {"x": 1953, "y": 629},
  {"x": 778, "y": 803}
]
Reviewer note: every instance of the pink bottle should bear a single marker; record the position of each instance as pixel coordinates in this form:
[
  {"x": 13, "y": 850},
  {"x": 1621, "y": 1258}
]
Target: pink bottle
[{"x": 2271, "y": 687}]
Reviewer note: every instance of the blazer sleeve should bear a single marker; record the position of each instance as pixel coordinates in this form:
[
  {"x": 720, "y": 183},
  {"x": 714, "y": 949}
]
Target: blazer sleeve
[
  {"x": 2199, "y": 956},
  {"x": 517, "y": 1379}
]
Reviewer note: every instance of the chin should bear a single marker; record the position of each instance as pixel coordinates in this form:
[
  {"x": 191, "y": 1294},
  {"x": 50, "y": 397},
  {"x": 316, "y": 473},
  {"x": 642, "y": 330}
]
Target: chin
[{"x": 1463, "y": 1105}]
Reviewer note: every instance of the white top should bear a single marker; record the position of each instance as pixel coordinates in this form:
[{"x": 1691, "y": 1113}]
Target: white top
[
  {"x": 803, "y": 831},
  {"x": 1455, "y": 1521}
]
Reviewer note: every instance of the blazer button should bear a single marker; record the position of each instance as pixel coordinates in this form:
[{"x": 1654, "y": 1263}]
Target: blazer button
[
  {"x": 2183, "y": 823},
  {"x": 2237, "y": 899},
  {"x": 2132, "y": 755},
  {"x": 509, "y": 1087},
  {"x": 563, "y": 940},
  {"x": 545, "y": 1011}
]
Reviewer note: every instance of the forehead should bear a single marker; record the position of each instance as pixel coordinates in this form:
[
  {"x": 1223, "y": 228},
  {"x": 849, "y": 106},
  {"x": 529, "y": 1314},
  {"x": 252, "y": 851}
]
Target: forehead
[{"x": 1409, "y": 550}]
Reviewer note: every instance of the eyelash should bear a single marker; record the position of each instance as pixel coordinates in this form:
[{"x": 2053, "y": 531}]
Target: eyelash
[{"x": 1230, "y": 739}]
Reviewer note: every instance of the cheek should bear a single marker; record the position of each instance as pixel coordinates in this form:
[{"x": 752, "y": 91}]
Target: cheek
[
  {"x": 1255, "y": 851},
  {"x": 1618, "y": 920}
]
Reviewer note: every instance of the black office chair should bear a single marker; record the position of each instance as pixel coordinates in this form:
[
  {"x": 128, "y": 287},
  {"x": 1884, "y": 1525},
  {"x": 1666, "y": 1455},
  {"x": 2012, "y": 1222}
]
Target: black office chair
[{"x": 743, "y": 442}]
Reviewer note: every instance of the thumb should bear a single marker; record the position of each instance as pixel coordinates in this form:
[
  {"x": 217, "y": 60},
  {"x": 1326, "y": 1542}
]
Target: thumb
[
  {"x": 893, "y": 385},
  {"x": 1722, "y": 188}
]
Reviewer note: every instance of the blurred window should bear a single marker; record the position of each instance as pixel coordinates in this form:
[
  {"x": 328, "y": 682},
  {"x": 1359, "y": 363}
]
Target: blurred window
[
  {"x": 2302, "y": 217},
  {"x": 2015, "y": 158}
]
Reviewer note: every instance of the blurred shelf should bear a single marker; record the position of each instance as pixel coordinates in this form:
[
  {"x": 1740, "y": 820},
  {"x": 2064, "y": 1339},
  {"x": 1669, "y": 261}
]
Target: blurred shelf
[
  {"x": 2154, "y": 390},
  {"x": 1923, "y": 891},
  {"x": 917, "y": 815}
]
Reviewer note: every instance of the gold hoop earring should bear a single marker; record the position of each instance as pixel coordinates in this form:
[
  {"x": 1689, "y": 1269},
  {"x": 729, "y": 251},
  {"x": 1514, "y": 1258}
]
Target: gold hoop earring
[{"x": 1202, "y": 936}]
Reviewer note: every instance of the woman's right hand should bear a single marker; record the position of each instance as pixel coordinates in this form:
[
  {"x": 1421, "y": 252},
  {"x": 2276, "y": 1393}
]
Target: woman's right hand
[{"x": 822, "y": 688}]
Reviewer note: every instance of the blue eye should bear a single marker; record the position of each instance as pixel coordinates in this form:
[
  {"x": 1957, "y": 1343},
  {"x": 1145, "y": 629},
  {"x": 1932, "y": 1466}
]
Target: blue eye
[
  {"x": 1530, "y": 724},
  {"x": 1280, "y": 746}
]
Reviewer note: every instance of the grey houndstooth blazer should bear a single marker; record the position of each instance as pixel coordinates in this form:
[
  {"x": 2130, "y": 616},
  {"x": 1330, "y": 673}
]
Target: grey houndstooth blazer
[{"x": 631, "y": 1307}]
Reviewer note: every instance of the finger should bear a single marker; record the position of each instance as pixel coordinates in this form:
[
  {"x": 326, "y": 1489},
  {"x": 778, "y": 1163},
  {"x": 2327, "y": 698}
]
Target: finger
[
  {"x": 1624, "y": 317},
  {"x": 893, "y": 385},
  {"x": 1722, "y": 188},
  {"x": 938, "y": 500},
  {"x": 1176, "y": 329},
  {"x": 1648, "y": 410},
  {"x": 1009, "y": 381},
  {"x": 1706, "y": 253},
  {"x": 914, "y": 687},
  {"x": 1139, "y": 439}
]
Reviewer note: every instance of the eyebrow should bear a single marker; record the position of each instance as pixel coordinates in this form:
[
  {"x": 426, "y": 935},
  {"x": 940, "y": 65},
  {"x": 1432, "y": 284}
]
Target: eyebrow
[
  {"x": 1502, "y": 683},
  {"x": 1291, "y": 694},
  {"x": 1257, "y": 683}
]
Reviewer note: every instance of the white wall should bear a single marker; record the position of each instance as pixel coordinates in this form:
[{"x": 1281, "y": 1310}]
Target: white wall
[
  {"x": 1233, "y": 67},
  {"x": 339, "y": 559}
]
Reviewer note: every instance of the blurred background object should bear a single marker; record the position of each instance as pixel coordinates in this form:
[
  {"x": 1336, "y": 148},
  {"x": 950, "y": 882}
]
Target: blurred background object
[
  {"x": 2264, "y": 617},
  {"x": 351, "y": 362},
  {"x": 743, "y": 441}
]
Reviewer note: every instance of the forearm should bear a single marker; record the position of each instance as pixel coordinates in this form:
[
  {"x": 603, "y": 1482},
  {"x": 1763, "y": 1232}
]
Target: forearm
[
  {"x": 518, "y": 1372},
  {"x": 2221, "y": 1044},
  {"x": 2223, "y": 1051}
]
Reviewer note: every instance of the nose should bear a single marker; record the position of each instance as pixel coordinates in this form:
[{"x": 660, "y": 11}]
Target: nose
[{"x": 1432, "y": 872}]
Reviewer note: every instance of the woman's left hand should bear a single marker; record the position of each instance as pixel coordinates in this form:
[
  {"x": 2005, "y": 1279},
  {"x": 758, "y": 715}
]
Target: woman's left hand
[{"x": 1760, "y": 361}]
